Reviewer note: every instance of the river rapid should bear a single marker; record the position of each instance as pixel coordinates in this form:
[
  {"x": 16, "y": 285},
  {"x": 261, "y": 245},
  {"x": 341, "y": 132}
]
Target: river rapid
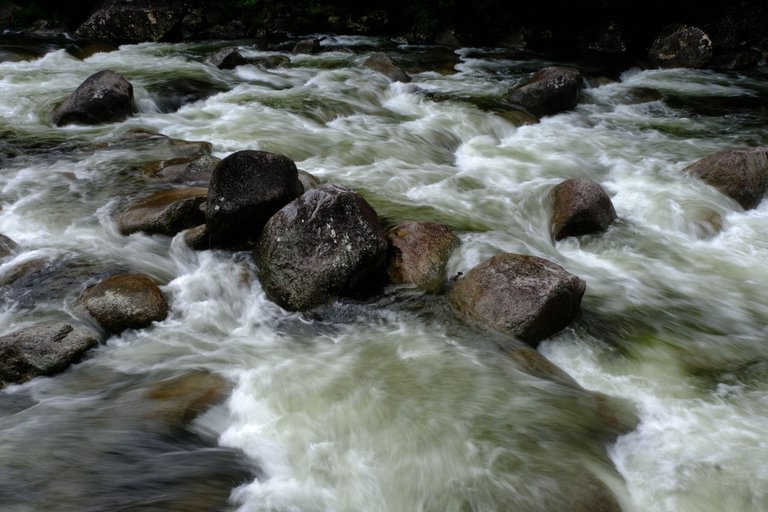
[{"x": 390, "y": 404}]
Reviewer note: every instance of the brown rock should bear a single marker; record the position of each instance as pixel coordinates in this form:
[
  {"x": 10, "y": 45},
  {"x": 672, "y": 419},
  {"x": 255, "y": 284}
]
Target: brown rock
[
  {"x": 580, "y": 207},
  {"x": 166, "y": 212},
  {"x": 741, "y": 174},
  {"x": 383, "y": 64},
  {"x": 125, "y": 301},
  {"x": 197, "y": 238},
  {"x": 179, "y": 400},
  {"x": 418, "y": 254},
  {"x": 549, "y": 91}
]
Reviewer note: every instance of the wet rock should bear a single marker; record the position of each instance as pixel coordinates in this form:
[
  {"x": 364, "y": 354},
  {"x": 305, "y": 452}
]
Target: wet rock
[
  {"x": 189, "y": 171},
  {"x": 549, "y": 91},
  {"x": 197, "y": 238},
  {"x": 307, "y": 46},
  {"x": 125, "y": 301},
  {"x": 7, "y": 246},
  {"x": 580, "y": 207},
  {"x": 741, "y": 174},
  {"x": 42, "y": 350},
  {"x": 228, "y": 58},
  {"x": 246, "y": 189},
  {"x": 736, "y": 59},
  {"x": 175, "y": 402},
  {"x": 172, "y": 93},
  {"x": 522, "y": 296},
  {"x": 270, "y": 61},
  {"x": 681, "y": 47},
  {"x": 308, "y": 180},
  {"x": 103, "y": 97},
  {"x": 587, "y": 493},
  {"x": 166, "y": 212},
  {"x": 84, "y": 49},
  {"x": 128, "y": 21},
  {"x": 383, "y": 64},
  {"x": 326, "y": 243},
  {"x": 418, "y": 254}
]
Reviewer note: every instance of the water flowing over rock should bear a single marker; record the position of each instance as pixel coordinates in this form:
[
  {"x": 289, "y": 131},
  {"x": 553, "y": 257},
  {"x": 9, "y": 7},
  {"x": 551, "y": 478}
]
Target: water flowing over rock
[
  {"x": 7, "y": 246},
  {"x": 381, "y": 62},
  {"x": 131, "y": 21},
  {"x": 42, "y": 350},
  {"x": 681, "y": 47},
  {"x": 580, "y": 207},
  {"x": 549, "y": 91},
  {"x": 189, "y": 171},
  {"x": 246, "y": 189},
  {"x": 103, "y": 97},
  {"x": 197, "y": 238},
  {"x": 419, "y": 252},
  {"x": 166, "y": 212},
  {"x": 307, "y": 46},
  {"x": 125, "y": 301},
  {"x": 741, "y": 174},
  {"x": 228, "y": 58},
  {"x": 522, "y": 296},
  {"x": 327, "y": 243}
]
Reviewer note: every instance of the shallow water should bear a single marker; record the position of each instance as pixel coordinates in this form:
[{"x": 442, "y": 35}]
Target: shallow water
[{"x": 392, "y": 405}]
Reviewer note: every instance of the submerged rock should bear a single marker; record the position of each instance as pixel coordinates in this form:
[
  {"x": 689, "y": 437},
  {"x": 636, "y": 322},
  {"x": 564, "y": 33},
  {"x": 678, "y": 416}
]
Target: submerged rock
[
  {"x": 228, "y": 58},
  {"x": 7, "y": 246},
  {"x": 246, "y": 189},
  {"x": 42, "y": 350},
  {"x": 741, "y": 174},
  {"x": 125, "y": 301},
  {"x": 549, "y": 91},
  {"x": 128, "y": 21},
  {"x": 580, "y": 207},
  {"x": 175, "y": 402},
  {"x": 166, "y": 212},
  {"x": 189, "y": 171},
  {"x": 681, "y": 47},
  {"x": 418, "y": 255},
  {"x": 307, "y": 46},
  {"x": 103, "y": 97},
  {"x": 383, "y": 64},
  {"x": 326, "y": 243},
  {"x": 522, "y": 296}
]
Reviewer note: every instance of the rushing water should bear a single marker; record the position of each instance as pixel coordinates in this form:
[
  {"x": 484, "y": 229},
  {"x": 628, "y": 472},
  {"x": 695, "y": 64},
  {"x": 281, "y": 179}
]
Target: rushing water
[{"x": 392, "y": 405}]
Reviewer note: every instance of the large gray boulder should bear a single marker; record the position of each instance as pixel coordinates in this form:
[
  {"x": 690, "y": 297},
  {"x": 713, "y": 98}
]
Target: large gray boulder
[
  {"x": 125, "y": 301},
  {"x": 580, "y": 207},
  {"x": 381, "y": 62},
  {"x": 549, "y": 91},
  {"x": 166, "y": 212},
  {"x": 246, "y": 189},
  {"x": 522, "y": 296},
  {"x": 133, "y": 21},
  {"x": 681, "y": 47},
  {"x": 326, "y": 243},
  {"x": 418, "y": 254},
  {"x": 103, "y": 97},
  {"x": 741, "y": 174},
  {"x": 42, "y": 350}
]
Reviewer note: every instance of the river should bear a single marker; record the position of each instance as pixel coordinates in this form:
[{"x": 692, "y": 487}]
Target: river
[{"x": 391, "y": 405}]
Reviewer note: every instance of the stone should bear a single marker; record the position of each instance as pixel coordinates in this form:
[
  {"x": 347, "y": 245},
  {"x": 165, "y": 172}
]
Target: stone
[
  {"x": 741, "y": 174},
  {"x": 228, "y": 58},
  {"x": 176, "y": 401},
  {"x": 197, "y": 238},
  {"x": 418, "y": 254},
  {"x": 7, "y": 246},
  {"x": 580, "y": 207},
  {"x": 166, "y": 212},
  {"x": 246, "y": 189},
  {"x": 549, "y": 91},
  {"x": 103, "y": 97},
  {"x": 325, "y": 244},
  {"x": 43, "y": 349},
  {"x": 189, "y": 171},
  {"x": 308, "y": 180},
  {"x": 307, "y": 46},
  {"x": 270, "y": 61},
  {"x": 129, "y": 21},
  {"x": 125, "y": 301},
  {"x": 525, "y": 297},
  {"x": 681, "y": 47},
  {"x": 381, "y": 62}
]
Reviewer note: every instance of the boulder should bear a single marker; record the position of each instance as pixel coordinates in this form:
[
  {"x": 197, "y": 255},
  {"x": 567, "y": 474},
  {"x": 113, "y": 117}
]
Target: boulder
[
  {"x": 166, "y": 212},
  {"x": 125, "y": 301},
  {"x": 228, "y": 58},
  {"x": 189, "y": 171},
  {"x": 741, "y": 174},
  {"x": 131, "y": 21},
  {"x": 522, "y": 296},
  {"x": 580, "y": 207},
  {"x": 308, "y": 180},
  {"x": 197, "y": 238},
  {"x": 175, "y": 402},
  {"x": 381, "y": 62},
  {"x": 550, "y": 90},
  {"x": 7, "y": 246},
  {"x": 103, "y": 97},
  {"x": 307, "y": 46},
  {"x": 42, "y": 349},
  {"x": 681, "y": 47},
  {"x": 326, "y": 243},
  {"x": 418, "y": 254},
  {"x": 246, "y": 189}
]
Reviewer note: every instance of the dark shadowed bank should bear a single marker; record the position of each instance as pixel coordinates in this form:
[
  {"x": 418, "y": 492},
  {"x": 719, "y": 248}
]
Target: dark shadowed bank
[{"x": 618, "y": 27}]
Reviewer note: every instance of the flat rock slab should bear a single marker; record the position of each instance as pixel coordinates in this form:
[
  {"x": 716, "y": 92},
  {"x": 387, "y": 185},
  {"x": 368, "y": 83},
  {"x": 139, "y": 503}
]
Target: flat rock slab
[{"x": 166, "y": 212}]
